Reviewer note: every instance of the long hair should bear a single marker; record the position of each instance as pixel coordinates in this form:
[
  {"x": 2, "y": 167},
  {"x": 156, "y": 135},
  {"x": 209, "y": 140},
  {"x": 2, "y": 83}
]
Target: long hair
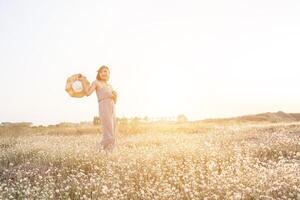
[{"x": 99, "y": 71}]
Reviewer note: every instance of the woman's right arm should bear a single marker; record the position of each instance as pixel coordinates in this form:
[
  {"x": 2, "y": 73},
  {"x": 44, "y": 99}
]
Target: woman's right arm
[{"x": 89, "y": 90}]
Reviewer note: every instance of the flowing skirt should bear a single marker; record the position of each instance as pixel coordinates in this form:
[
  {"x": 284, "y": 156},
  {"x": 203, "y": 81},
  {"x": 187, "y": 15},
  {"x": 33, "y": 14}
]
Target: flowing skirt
[{"x": 107, "y": 116}]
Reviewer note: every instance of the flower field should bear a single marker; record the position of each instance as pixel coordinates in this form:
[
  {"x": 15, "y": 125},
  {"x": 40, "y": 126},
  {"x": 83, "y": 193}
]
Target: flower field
[{"x": 225, "y": 162}]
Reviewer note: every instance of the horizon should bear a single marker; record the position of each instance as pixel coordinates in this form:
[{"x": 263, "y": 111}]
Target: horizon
[
  {"x": 153, "y": 119},
  {"x": 205, "y": 60}
]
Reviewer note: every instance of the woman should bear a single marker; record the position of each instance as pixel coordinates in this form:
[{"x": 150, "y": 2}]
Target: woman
[{"x": 106, "y": 99}]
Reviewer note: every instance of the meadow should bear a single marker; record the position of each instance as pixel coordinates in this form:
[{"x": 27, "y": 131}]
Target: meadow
[{"x": 170, "y": 161}]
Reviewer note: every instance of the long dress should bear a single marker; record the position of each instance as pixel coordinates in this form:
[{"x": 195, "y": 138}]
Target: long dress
[{"x": 107, "y": 114}]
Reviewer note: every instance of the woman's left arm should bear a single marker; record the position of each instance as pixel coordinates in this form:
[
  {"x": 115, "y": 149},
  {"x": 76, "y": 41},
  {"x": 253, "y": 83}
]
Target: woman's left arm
[{"x": 114, "y": 95}]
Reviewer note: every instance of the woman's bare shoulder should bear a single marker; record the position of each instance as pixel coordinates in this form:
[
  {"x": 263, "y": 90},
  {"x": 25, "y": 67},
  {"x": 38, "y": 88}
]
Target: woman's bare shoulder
[
  {"x": 95, "y": 83},
  {"x": 98, "y": 84}
]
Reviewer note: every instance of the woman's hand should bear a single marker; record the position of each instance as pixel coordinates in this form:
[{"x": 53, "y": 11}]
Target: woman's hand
[
  {"x": 80, "y": 77},
  {"x": 114, "y": 96}
]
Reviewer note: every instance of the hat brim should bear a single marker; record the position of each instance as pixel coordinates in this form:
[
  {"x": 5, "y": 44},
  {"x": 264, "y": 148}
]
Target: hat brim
[{"x": 69, "y": 89}]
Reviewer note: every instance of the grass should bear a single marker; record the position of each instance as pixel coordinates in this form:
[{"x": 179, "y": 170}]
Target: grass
[{"x": 249, "y": 161}]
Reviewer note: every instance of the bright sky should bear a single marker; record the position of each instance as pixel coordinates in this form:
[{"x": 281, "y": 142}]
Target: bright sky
[{"x": 204, "y": 59}]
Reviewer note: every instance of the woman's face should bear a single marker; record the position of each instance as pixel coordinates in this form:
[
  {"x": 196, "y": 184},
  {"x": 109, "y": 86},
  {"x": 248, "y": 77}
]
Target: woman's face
[{"x": 104, "y": 74}]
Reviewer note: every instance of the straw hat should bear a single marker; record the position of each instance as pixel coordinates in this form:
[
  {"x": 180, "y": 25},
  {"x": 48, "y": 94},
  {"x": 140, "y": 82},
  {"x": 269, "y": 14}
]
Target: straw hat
[{"x": 75, "y": 87}]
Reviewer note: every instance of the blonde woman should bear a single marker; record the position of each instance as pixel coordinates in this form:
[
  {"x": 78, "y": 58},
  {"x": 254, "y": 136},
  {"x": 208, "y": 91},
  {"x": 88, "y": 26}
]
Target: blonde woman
[{"x": 106, "y": 100}]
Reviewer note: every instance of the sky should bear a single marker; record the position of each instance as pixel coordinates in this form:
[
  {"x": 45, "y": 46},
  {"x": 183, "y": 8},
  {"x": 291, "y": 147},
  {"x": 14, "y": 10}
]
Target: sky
[{"x": 204, "y": 59}]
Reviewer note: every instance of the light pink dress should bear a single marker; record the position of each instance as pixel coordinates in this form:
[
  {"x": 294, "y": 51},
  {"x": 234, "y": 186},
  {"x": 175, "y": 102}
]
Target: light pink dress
[{"x": 107, "y": 114}]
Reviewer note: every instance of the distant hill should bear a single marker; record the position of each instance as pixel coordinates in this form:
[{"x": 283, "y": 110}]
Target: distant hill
[{"x": 262, "y": 117}]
